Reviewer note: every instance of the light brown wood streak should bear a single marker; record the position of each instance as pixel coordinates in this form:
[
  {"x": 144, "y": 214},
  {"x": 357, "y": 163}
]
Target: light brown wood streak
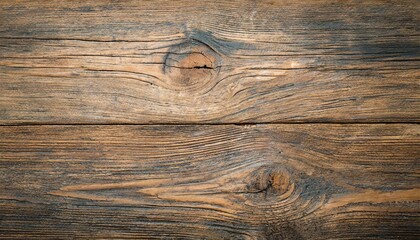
[
  {"x": 376, "y": 197},
  {"x": 321, "y": 181},
  {"x": 203, "y": 62}
]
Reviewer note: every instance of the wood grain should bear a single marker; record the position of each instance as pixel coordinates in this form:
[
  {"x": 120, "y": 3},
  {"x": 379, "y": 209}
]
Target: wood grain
[
  {"x": 201, "y": 62},
  {"x": 321, "y": 181}
]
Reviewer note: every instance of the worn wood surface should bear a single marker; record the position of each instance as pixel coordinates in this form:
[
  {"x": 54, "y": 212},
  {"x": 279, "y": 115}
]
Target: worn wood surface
[
  {"x": 203, "y": 62},
  {"x": 215, "y": 182},
  {"x": 336, "y": 84}
]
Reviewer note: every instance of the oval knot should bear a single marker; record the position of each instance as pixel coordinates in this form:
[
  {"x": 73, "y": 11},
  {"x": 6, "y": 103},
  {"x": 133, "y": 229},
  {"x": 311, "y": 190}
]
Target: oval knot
[{"x": 191, "y": 64}]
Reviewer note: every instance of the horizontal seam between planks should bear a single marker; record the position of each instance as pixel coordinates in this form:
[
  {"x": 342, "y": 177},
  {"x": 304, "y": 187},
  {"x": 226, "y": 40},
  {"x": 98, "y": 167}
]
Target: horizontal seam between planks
[{"x": 208, "y": 124}]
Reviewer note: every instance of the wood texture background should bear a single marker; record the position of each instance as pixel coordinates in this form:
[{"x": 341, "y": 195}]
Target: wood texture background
[{"x": 209, "y": 120}]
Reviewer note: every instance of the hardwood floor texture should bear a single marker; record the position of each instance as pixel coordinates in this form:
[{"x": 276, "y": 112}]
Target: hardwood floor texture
[{"x": 230, "y": 119}]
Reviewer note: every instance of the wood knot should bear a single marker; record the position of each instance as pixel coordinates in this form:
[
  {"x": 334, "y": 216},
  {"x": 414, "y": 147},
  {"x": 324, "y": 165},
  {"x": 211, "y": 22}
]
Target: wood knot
[
  {"x": 269, "y": 181},
  {"x": 191, "y": 64}
]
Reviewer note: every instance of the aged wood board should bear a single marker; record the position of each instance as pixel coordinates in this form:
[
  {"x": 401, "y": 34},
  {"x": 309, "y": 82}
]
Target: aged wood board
[
  {"x": 210, "y": 182},
  {"x": 207, "y": 62}
]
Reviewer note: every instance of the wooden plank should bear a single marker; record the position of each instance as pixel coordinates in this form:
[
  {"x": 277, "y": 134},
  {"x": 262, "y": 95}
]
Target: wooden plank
[
  {"x": 198, "y": 61},
  {"x": 214, "y": 182}
]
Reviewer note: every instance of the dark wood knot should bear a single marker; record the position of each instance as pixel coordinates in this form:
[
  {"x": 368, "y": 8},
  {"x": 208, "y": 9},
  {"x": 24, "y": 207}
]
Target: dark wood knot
[
  {"x": 270, "y": 181},
  {"x": 191, "y": 64}
]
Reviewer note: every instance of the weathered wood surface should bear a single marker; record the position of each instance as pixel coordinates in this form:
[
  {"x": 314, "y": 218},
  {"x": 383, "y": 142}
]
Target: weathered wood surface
[
  {"x": 198, "y": 61},
  {"x": 216, "y": 182}
]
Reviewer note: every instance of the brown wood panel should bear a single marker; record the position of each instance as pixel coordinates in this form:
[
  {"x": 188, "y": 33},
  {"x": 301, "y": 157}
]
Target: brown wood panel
[
  {"x": 200, "y": 61},
  {"x": 214, "y": 182}
]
